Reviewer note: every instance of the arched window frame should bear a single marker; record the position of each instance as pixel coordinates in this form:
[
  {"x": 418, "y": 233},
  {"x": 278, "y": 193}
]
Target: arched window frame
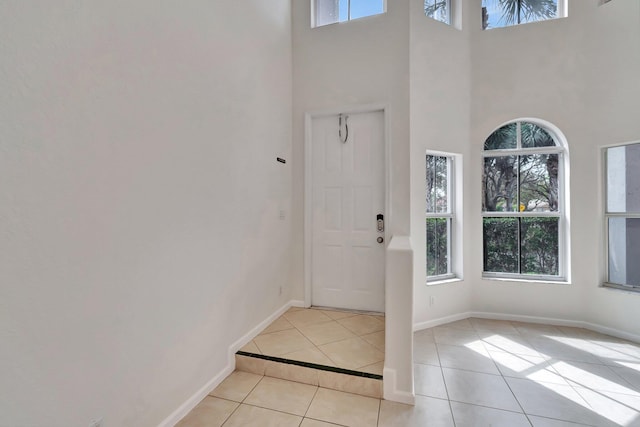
[{"x": 561, "y": 149}]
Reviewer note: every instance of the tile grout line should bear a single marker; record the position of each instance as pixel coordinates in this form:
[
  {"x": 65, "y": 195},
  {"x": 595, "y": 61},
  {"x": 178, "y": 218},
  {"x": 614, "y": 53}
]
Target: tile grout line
[
  {"x": 314, "y": 345},
  {"x": 310, "y": 403},
  {"x": 444, "y": 381},
  {"x": 234, "y": 411},
  {"x": 271, "y": 409},
  {"x": 485, "y": 346},
  {"x": 221, "y": 398},
  {"x": 317, "y": 347},
  {"x": 327, "y": 356},
  {"x": 487, "y": 407},
  {"x": 301, "y": 333}
]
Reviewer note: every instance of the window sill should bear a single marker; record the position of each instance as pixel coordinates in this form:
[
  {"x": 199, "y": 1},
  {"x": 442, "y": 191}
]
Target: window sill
[
  {"x": 627, "y": 289},
  {"x": 443, "y": 281},
  {"x": 520, "y": 279}
]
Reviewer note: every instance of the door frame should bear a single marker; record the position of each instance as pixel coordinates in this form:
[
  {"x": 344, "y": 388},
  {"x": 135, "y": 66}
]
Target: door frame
[{"x": 308, "y": 184}]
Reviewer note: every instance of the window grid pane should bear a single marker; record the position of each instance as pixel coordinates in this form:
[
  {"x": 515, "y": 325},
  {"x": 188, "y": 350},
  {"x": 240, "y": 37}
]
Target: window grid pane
[
  {"x": 438, "y": 246},
  {"x": 438, "y": 172},
  {"x": 538, "y": 188},
  {"x": 539, "y": 246},
  {"x": 503, "y": 139},
  {"x": 501, "y": 241},
  {"x": 500, "y": 189}
]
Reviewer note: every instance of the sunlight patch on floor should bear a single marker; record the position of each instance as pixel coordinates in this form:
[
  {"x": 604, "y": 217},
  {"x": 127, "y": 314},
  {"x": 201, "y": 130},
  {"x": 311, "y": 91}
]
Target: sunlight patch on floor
[{"x": 607, "y": 398}]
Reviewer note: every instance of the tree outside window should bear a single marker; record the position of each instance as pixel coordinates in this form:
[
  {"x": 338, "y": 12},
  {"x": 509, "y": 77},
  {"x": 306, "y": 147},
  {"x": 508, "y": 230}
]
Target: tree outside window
[
  {"x": 439, "y": 216},
  {"x": 505, "y": 13},
  {"x": 440, "y": 10},
  {"x": 521, "y": 202}
]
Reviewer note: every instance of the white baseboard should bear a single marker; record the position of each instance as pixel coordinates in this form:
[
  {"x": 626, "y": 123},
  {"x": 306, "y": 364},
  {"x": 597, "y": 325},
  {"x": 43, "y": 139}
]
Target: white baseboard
[
  {"x": 530, "y": 319},
  {"x": 441, "y": 321},
  {"x": 193, "y": 401},
  {"x": 197, "y": 397},
  {"x": 259, "y": 328},
  {"x": 611, "y": 331},
  {"x": 297, "y": 303},
  {"x": 390, "y": 391}
]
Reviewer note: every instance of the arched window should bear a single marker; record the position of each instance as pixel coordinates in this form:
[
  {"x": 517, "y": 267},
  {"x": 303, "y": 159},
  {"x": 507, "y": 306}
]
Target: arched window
[{"x": 523, "y": 203}]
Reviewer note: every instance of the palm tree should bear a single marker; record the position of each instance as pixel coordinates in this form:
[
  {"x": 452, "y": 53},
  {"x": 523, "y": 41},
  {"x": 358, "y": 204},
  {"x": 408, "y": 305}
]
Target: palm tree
[{"x": 521, "y": 11}]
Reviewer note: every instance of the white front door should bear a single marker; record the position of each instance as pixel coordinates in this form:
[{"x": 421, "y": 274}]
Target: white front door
[{"x": 348, "y": 190}]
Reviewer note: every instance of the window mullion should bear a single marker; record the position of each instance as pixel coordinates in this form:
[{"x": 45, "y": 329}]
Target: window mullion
[
  {"x": 528, "y": 151},
  {"x": 622, "y": 215},
  {"x": 436, "y": 215},
  {"x": 449, "y": 243},
  {"x": 518, "y": 201},
  {"x": 438, "y": 243}
]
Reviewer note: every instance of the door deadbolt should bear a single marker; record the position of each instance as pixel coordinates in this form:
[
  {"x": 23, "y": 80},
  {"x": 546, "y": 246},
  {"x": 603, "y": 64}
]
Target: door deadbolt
[
  {"x": 380, "y": 239},
  {"x": 380, "y": 220}
]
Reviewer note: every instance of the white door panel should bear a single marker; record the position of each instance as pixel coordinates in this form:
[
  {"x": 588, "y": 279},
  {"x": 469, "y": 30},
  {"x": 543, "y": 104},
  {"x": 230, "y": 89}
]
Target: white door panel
[{"x": 347, "y": 262}]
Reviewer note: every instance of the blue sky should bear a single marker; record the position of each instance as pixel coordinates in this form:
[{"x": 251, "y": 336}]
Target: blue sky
[
  {"x": 360, "y": 8},
  {"x": 494, "y": 13}
]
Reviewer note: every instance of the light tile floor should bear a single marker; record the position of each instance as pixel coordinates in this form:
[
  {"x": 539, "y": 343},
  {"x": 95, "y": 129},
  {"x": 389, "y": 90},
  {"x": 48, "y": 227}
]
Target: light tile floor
[
  {"x": 472, "y": 372},
  {"x": 325, "y": 337}
]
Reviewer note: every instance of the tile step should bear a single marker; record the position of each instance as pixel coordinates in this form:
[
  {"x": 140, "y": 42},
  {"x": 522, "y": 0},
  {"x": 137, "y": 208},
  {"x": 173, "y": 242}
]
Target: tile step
[{"x": 346, "y": 380}]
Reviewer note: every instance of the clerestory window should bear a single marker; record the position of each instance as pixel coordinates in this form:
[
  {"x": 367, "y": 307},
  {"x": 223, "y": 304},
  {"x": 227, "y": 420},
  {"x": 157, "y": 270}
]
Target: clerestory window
[
  {"x": 505, "y": 13},
  {"x": 523, "y": 204},
  {"x": 325, "y": 12},
  {"x": 440, "y": 10}
]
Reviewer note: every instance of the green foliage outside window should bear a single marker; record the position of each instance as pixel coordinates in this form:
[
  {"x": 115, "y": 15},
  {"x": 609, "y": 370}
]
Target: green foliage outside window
[
  {"x": 520, "y": 201},
  {"x": 439, "y": 215},
  {"x": 437, "y": 246},
  {"x": 521, "y": 245}
]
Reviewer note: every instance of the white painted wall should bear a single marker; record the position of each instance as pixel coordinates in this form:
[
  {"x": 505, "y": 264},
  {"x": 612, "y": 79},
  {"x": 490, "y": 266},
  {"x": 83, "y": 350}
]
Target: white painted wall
[
  {"x": 140, "y": 193},
  {"x": 440, "y": 121},
  {"x": 139, "y": 199},
  {"x": 614, "y": 67},
  {"x": 365, "y": 61},
  {"x": 579, "y": 73}
]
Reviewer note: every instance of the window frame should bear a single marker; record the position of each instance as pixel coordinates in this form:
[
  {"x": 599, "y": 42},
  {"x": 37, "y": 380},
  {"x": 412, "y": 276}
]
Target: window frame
[
  {"x": 452, "y": 220},
  {"x": 561, "y": 150},
  {"x": 315, "y": 4},
  {"x": 608, "y": 215}
]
